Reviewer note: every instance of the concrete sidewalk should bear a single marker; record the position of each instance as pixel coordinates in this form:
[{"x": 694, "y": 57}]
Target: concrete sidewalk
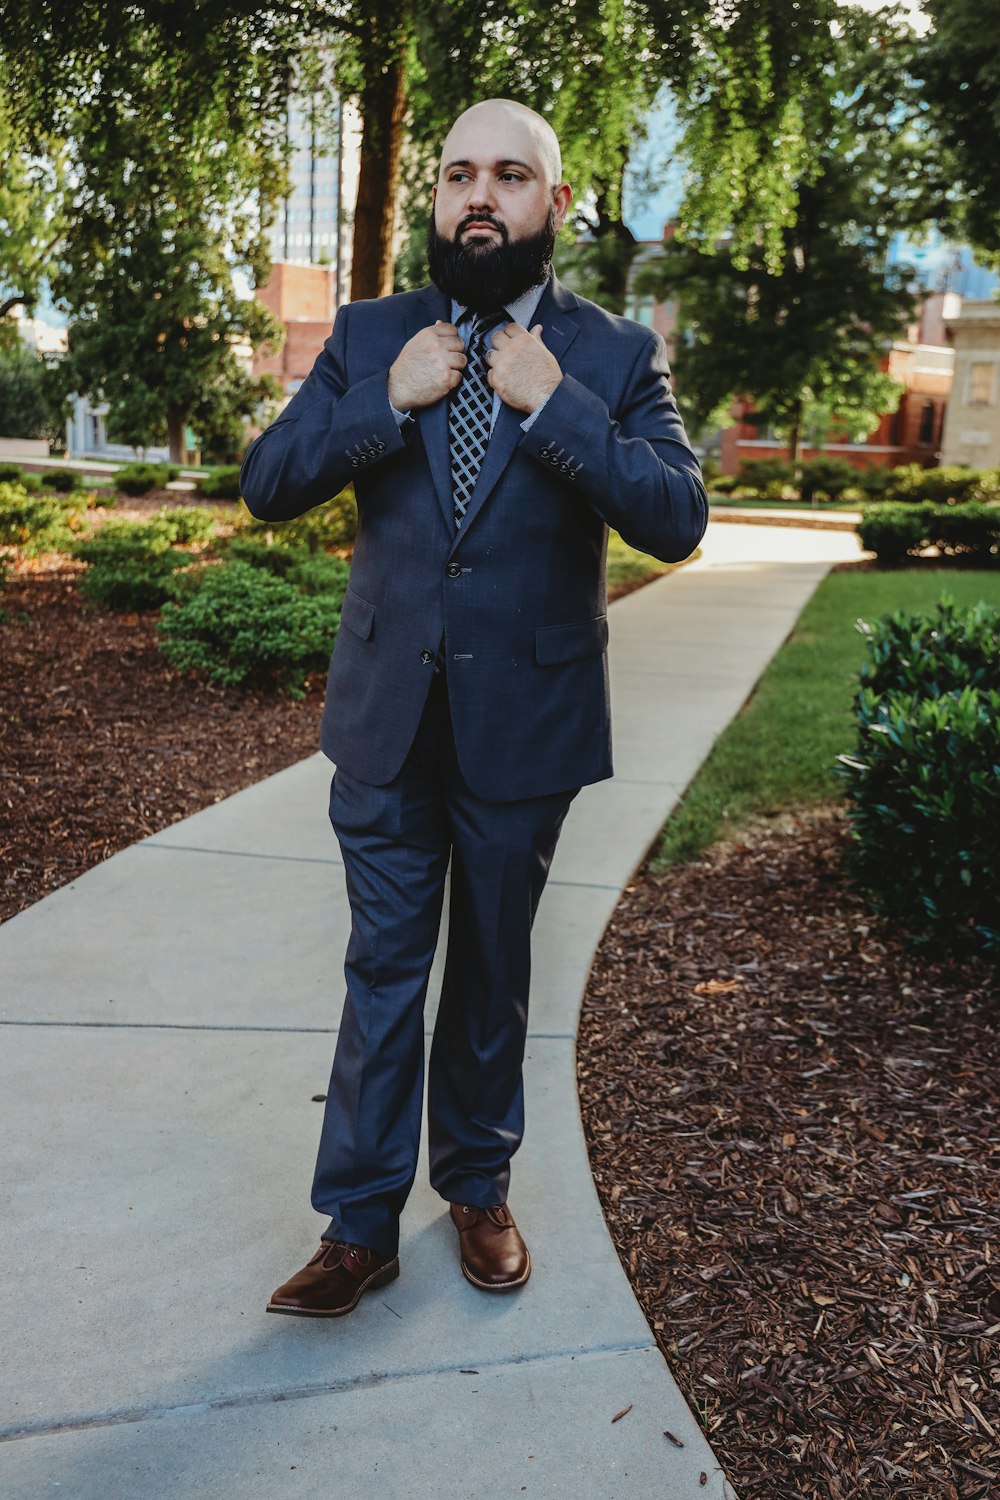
[{"x": 169, "y": 1018}]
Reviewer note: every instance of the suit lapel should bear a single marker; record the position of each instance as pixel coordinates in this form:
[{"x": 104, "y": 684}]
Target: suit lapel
[
  {"x": 559, "y": 329},
  {"x": 433, "y": 420}
]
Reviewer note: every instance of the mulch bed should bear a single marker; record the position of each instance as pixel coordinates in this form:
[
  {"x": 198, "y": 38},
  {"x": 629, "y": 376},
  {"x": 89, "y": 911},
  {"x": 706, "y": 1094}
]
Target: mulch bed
[
  {"x": 102, "y": 742},
  {"x": 793, "y": 1127}
]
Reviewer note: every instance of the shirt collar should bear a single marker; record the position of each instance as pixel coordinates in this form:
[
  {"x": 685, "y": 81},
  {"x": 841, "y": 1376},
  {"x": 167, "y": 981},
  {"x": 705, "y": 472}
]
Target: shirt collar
[{"x": 521, "y": 310}]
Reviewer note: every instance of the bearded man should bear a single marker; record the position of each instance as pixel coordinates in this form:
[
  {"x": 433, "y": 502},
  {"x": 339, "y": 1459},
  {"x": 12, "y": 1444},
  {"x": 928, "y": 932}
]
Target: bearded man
[{"x": 494, "y": 426}]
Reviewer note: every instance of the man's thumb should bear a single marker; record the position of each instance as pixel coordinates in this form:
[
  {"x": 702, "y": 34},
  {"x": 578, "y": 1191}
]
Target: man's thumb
[{"x": 536, "y": 332}]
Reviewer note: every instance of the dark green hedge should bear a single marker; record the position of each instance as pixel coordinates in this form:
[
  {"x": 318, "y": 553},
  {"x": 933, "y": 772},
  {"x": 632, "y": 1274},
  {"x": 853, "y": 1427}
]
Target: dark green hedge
[
  {"x": 924, "y": 780},
  {"x": 969, "y": 532}
]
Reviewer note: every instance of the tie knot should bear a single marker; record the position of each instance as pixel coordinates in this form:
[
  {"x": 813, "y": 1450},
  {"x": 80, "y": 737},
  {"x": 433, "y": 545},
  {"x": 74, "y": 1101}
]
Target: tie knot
[{"x": 486, "y": 322}]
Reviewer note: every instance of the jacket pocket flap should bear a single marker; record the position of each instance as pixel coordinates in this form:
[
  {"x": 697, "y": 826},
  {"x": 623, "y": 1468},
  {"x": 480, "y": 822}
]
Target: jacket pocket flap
[
  {"x": 357, "y": 614},
  {"x": 556, "y": 643}
]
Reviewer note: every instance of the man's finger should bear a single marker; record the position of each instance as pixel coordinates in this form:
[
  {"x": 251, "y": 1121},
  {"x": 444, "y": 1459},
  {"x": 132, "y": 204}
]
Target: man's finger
[{"x": 536, "y": 332}]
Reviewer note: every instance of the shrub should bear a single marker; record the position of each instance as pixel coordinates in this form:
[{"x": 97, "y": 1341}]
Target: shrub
[
  {"x": 334, "y": 524},
  {"x": 968, "y": 532},
  {"x": 872, "y": 481},
  {"x": 923, "y": 786},
  {"x": 222, "y": 483},
  {"x": 725, "y": 484},
  {"x": 825, "y": 476},
  {"x": 64, "y": 481},
  {"x": 765, "y": 477},
  {"x": 310, "y": 572},
  {"x": 912, "y": 484},
  {"x": 36, "y": 523},
  {"x": 247, "y": 628},
  {"x": 188, "y": 523},
  {"x": 126, "y": 541},
  {"x": 128, "y": 585},
  {"x": 10, "y": 473},
  {"x": 139, "y": 479}
]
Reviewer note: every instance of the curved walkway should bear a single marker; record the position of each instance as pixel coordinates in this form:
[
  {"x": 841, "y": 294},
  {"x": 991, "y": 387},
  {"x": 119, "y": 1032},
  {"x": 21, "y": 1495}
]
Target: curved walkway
[{"x": 169, "y": 1020}]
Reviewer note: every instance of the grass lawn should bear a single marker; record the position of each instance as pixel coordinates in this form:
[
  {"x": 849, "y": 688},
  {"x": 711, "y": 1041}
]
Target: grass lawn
[
  {"x": 627, "y": 568},
  {"x": 778, "y": 753}
]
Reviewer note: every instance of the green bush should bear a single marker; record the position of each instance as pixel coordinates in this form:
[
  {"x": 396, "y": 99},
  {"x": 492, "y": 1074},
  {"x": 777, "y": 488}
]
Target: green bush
[
  {"x": 247, "y": 628},
  {"x": 188, "y": 523},
  {"x": 765, "y": 477},
  {"x": 129, "y": 585},
  {"x": 930, "y": 654},
  {"x": 310, "y": 572},
  {"x": 923, "y": 783},
  {"x": 126, "y": 541},
  {"x": 63, "y": 481},
  {"x": 139, "y": 479},
  {"x": 222, "y": 483},
  {"x": 912, "y": 484},
  {"x": 872, "y": 481},
  {"x": 725, "y": 484},
  {"x": 10, "y": 473},
  {"x": 828, "y": 477},
  {"x": 334, "y": 524},
  {"x": 968, "y": 532},
  {"x": 37, "y": 523}
]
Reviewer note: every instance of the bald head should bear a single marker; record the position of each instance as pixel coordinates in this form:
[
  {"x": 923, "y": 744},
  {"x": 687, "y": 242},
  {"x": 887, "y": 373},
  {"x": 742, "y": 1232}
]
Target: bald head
[{"x": 504, "y": 128}]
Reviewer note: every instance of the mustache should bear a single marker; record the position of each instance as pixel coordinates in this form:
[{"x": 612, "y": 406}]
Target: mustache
[{"x": 471, "y": 219}]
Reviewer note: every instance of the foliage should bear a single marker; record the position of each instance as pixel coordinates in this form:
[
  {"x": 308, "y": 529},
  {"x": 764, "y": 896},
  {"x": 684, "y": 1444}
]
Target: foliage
[
  {"x": 969, "y": 532},
  {"x": 32, "y": 221},
  {"x": 310, "y": 572},
  {"x": 221, "y": 484},
  {"x": 766, "y": 477},
  {"x": 43, "y": 523},
  {"x": 958, "y": 63},
  {"x": 247, "y": 628},
  {"x": 125, "y": 541},
  {"x": 62, "y": 480},
  {"x": 30, "y": 406},
  {"x": 791, "y": 311},
  {"x": 188, "y": 523},
  {"x": 10, "y": 473},
  {"x": 334, "y": 524},
  {"x": 825, "y": 476},
  {"x": 911, "y": 482},
  {"x": 128, "y": 583},
  {"x": 778, "y": 753},
  {"x": 140, "y": 478},
  {"x": 922, "y": 781}
]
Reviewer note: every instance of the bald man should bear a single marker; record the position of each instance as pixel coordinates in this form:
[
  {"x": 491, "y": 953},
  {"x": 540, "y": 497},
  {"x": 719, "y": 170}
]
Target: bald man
[{"x": 494, "y": 426}]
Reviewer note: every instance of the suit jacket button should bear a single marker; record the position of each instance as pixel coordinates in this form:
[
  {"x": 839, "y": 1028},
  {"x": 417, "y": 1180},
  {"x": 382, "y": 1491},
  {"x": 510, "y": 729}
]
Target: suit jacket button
[
  {"x": 380, "y": 448},
  {"x": 453, "y": 570},
  {"x": 426, "y": 656},
  {"x": 544, "y": 452}
]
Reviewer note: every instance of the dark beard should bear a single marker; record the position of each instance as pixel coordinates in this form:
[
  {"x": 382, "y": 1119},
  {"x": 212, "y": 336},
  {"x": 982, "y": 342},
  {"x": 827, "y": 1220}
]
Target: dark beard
[{"x": 488, "y": 277}]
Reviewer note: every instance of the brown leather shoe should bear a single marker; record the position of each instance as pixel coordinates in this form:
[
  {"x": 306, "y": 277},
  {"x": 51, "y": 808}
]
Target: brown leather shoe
[
  {"x": 333, "y": 1282},
  {"x": 494, "y": 1256}
]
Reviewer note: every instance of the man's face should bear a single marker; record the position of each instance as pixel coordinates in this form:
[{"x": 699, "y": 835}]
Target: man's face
[{"x": 496, "y": 211}]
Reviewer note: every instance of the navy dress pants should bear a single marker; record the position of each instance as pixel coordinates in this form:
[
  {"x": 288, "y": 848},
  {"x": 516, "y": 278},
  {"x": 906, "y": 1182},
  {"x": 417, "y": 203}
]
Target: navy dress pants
[{"x": 396, "y": 842}]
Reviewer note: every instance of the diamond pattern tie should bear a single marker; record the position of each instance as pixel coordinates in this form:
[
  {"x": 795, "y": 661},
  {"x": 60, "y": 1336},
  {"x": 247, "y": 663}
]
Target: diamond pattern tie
[{"x": 469, "y": 413}]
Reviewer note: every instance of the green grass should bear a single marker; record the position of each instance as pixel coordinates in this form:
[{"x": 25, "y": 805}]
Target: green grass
[
  {"x": 824, "y": 505},
  {"x": 777, "y": 754},
  {"x": 628, "y": 568}
]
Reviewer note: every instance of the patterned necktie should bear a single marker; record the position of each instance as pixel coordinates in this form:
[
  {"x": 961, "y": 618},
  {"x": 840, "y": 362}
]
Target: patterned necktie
[{"x": 469, "y": 414}]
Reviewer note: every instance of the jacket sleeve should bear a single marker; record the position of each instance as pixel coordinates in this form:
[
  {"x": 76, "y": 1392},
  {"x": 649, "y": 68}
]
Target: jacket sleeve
[
  {"x": 327, "y": 434},
  {"x": 637, "y": 471}
]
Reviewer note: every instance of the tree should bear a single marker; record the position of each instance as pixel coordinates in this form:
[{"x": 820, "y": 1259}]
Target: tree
[
  {"x": 29, "y": 402},
  {"x": 32, "y": 219},
  {"x": 958, "y": 63},
  {"x": 801, "y": 318}
]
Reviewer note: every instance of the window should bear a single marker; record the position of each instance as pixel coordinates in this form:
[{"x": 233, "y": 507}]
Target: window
[
  {"x": 925, "y": 435},
  {"x": 980, "y": 389}
]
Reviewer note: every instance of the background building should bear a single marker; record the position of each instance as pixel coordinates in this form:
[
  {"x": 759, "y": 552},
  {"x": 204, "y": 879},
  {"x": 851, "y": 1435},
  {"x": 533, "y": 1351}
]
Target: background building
[{"x": 972, "y": 426}]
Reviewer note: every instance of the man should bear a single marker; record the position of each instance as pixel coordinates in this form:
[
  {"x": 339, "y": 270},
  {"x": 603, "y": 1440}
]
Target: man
[{"x": 494, "y": 426}]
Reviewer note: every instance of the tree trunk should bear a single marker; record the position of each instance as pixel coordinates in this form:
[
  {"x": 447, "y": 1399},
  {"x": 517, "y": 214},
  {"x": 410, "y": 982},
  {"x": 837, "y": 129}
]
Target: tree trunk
[
  {"x": 175, "y": 435},
  {"x": 616, "y": 247},
  {"x": 383, "y": 102}
]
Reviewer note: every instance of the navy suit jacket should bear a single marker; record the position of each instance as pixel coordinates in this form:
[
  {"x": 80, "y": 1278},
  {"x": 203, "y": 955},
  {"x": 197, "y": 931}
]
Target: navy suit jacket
[{"x": 519, "y": 590}]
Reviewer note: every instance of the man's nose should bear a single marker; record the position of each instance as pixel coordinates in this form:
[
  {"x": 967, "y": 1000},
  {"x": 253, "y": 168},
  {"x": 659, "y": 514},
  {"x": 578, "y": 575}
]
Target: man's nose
[{"x": 481, "y": 193}]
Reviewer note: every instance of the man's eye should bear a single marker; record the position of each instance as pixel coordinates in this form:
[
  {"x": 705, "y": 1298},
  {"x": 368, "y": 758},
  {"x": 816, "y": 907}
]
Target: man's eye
[{"x": 511, "y": 177}]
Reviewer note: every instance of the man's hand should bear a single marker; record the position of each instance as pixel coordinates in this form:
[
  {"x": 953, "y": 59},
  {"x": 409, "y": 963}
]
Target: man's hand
[
  {"x": 521, "y": 368},
  {"x": 428, "y": 366}
]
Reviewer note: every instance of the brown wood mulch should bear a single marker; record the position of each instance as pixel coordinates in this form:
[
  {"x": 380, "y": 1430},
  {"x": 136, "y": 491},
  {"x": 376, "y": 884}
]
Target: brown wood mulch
[
  {"x": 102, "y": 742},
  {"x": 793, "y": 1127}
]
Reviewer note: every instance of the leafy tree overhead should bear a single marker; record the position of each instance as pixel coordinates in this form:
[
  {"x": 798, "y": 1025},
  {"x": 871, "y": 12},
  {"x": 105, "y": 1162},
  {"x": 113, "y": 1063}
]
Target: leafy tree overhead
[{"x": 804, "y": 322}]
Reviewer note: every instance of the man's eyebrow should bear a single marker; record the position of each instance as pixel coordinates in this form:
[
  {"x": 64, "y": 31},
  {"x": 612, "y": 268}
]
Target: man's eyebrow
[{"x": 506, "y": 161}]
